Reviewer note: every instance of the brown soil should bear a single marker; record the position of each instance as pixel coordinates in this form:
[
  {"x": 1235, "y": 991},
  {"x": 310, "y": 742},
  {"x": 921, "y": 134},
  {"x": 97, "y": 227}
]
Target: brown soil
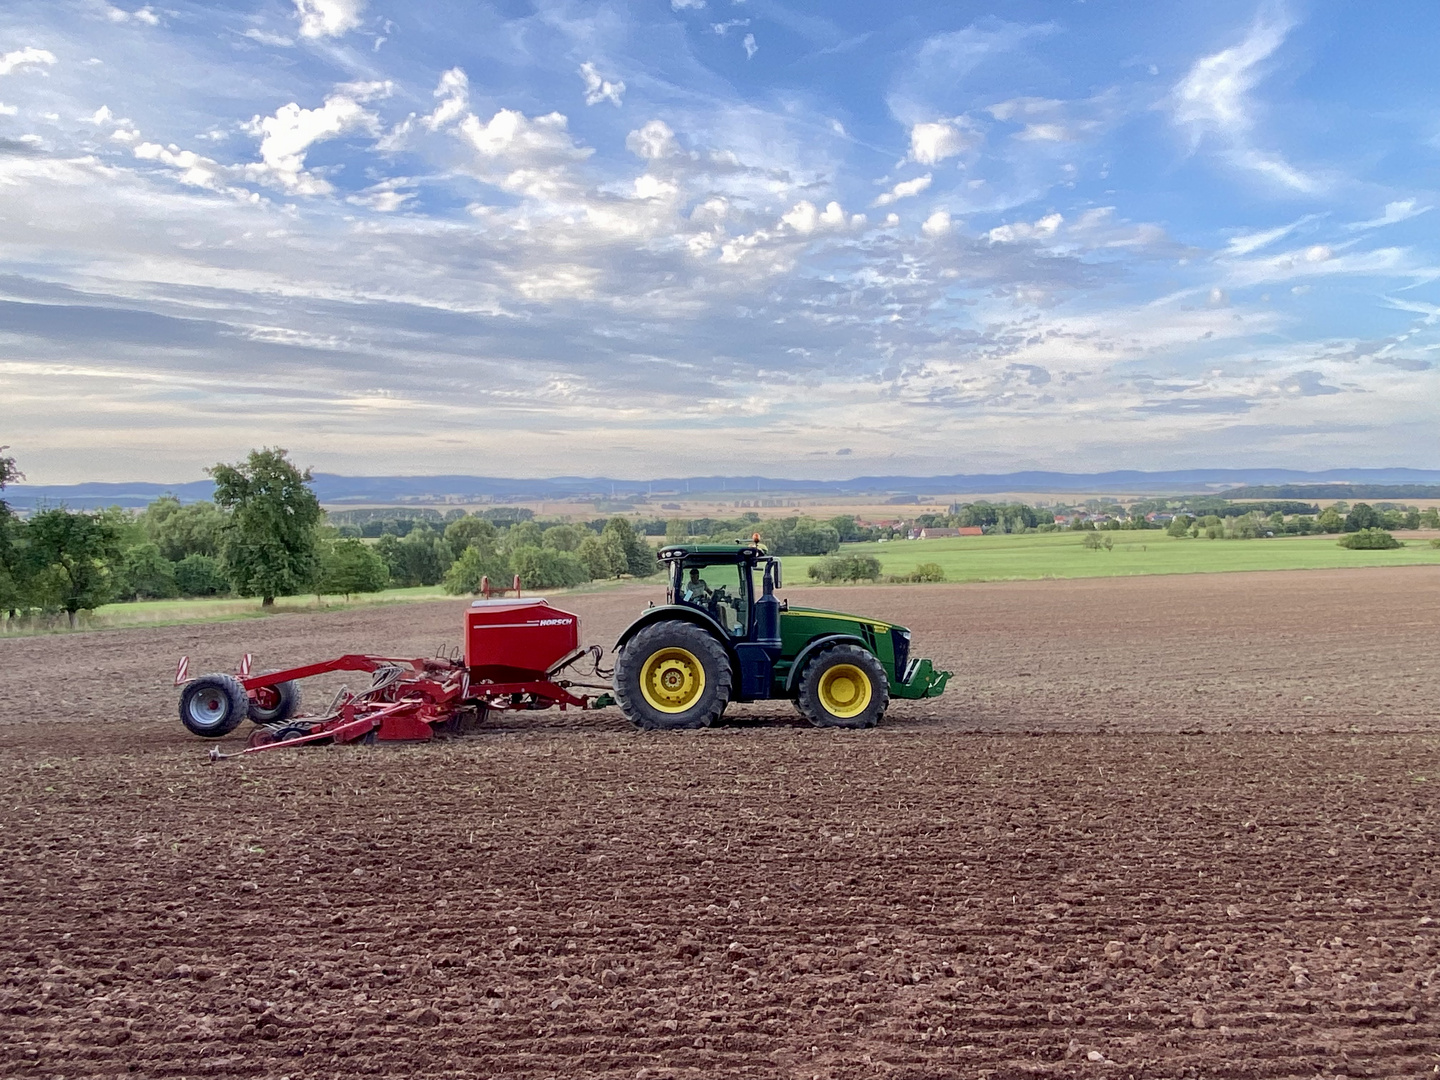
[{"x": 1217, "y": 858}]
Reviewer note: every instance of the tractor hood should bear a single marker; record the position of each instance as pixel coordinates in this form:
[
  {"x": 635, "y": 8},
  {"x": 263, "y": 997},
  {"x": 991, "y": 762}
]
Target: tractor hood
[{"x": 879, "y": 626}]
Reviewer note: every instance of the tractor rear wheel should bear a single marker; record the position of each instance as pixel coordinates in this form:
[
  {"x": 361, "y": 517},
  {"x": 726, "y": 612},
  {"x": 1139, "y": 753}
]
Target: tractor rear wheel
[
  {"x": 213, "y": 705},
  {"x": 672, "y": 675},
  {"x": 843, "y": 687},
  {"x": 271, "y": 704}
]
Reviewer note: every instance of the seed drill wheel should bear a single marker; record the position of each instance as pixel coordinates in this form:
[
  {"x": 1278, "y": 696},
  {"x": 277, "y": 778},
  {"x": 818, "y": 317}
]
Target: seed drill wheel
[
  {"x": 843, "y": 687},
  {"x": 672, "y": 675},
  {"x": 213, "y": 705},
  {"x": 271, "y": 704}
]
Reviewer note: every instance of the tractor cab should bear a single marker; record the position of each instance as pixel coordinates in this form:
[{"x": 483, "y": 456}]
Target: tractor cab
[{"x": 720, "y": 580}]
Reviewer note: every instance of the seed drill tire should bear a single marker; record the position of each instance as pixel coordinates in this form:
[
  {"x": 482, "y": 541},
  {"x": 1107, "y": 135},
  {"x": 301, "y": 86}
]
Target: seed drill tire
[
  {"x": 809, "y": 700},
  {"x": 702, "y": 645},
  {"x": 213, "y": 705},
  {"x": 288, "y": 706}
]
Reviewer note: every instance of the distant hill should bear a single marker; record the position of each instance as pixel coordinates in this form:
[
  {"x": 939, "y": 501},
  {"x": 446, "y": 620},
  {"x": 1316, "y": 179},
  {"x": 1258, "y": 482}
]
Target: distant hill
[
  {"x": 1336, "y": 491},
  {"x": 336, "y": 490}
]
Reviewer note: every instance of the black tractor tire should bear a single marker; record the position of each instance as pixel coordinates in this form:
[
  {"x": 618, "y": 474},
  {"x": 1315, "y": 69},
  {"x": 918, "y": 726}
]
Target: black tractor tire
[
  {"x": 678, "y": 653},
  {"x": 843, "y": 687},
  {"x": 213, "y": 705},
  {"x": 285, "y": 708}
]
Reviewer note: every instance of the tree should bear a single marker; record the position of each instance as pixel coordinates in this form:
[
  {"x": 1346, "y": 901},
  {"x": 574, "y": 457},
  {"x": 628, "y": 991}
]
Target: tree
[
  {"x": 70, "y": 557},
  {"x": 563, "y": 537},
  {"x": 1180, "y": 525},
  {"x": 635, "y": 556},
  {"x": 523, "y": 534},
  {"x": 545, "y": 568},
  {"x": 268, "y": 546},
  {"x": 463, "y": 533},
  {"x": 677, "y": 531},
  {"x": 1430, "y": 518},
  {"x": 422, "y": 558},
  {"x": 183, "y": 529},
  {"x": 601, "y": 561},
  {"x": 1363, "y": 516},
  {"x": 12, "y": 575},
  {"x": 200, "y": 575},
  {"x": 146, "y": 574},
  {"x": 474, "y": 564},
  {"x": 348, "y": 566},
  {"x": 1330, "y": 520}
]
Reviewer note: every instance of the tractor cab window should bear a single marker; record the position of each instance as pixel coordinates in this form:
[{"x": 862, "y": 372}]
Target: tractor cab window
[{"x": 719, "y": 590}]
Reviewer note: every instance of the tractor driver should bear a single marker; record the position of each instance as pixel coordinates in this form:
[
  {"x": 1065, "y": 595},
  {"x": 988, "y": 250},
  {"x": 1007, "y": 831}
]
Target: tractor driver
[{"x": 696, "y": 591}]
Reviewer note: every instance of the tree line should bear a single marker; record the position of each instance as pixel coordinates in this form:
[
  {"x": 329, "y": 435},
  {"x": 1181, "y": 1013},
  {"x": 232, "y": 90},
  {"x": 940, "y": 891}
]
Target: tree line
[{"x": 265, "y": 535}]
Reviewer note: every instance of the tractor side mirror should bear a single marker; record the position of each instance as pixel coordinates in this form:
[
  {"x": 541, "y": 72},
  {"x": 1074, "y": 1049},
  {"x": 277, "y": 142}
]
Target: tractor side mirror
[{"x": 772, "y": 576}]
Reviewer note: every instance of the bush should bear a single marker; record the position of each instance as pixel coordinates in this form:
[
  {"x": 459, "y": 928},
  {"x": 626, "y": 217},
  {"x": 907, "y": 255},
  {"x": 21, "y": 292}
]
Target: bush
[
  {"x": 1369, "y": 540},
  {"x": 925, "y": 572},
  {"x": 846, "y": 568},
  {"x": 1091, "y": 542},
  {"x": 200, "y": 575}
]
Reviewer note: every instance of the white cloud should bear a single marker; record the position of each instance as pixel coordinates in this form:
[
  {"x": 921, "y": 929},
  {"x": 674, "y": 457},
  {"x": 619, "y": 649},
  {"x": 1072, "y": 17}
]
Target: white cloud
[
  {"x": 1214, "y": 98},
  {"x": 1043, "y": 229},
  {"x": 651, "y": 187},
  {"x": 523, "y": 155},
  {"x": 750, "y": 47},
  {"x": 653, "y": 141},
  {"x": 194, "y": 170},
  {"x": 723, "y": 28},
  {"x": 288, "y": 135},
  {"x": 264, "y": 37},
  {"x": 1215, "y": 92},
  {"x": 8, "y": 110},
  {"x": 384, "y": 197},
  {"x": 510, "y": 133},
  {"x": 937, "y": 224},
  {"x": 903, "y": 190},
  {"x": 454, "y": 92},
  {"x": 598, "y": 89},
  {"x": 805, "y": 219},
  {"x": 1043, "y": 119},
  {"x": 1245, "y": 243},
  {"x": 934, "y": 141},
  {"x": 1395, "y": 212},
  {"x": 145, "y": 15},
  {"x": 328, "y": 18},
  {"x": 686, "y": 5},
  {"x": 23, "y": 57}
]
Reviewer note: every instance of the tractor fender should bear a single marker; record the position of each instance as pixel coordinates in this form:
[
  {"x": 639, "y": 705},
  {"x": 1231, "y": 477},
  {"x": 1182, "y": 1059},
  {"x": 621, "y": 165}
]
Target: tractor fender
[
  {"x": 683, "y": 613},
  {"x": 829, "y": 641}
]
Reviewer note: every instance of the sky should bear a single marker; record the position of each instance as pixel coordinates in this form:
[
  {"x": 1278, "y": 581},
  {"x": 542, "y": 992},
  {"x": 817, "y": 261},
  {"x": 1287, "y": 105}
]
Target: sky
[{"x": 681, "y": 237}]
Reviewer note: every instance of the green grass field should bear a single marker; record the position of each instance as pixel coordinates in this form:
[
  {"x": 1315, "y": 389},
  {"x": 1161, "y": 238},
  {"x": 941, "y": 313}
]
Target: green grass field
[
  {"x": 167, "y": 612},
  {"x": 1061, "y": 555}
]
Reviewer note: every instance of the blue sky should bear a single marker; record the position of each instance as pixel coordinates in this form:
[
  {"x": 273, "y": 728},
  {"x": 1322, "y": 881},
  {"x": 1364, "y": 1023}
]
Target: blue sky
[{"x": 693, "y": 237}]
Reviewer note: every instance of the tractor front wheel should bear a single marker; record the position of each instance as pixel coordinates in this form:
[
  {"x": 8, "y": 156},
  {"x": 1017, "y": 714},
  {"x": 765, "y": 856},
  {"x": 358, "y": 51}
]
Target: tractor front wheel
[
  {"x": 843, "y": 687},
  {"x": 672, "y": 675},
  {"x": 213, "y": 705}
]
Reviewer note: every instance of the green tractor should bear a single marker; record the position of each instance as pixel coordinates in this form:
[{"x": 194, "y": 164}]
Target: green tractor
[{"x": 719, "y": 639}]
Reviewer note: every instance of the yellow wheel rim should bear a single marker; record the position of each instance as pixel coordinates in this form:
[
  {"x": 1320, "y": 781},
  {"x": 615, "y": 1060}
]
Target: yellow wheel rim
[
  {"x": 672, "y": 680},
  {"x": 845, "y": 691}
]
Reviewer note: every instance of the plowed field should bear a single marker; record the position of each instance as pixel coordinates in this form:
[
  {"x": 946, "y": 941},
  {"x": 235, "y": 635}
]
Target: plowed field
[{"x": 1157, "y": 827}]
